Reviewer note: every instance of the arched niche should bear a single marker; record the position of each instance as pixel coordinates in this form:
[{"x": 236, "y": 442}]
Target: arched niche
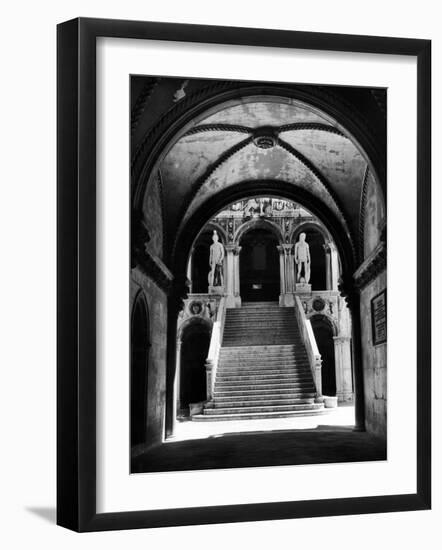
[
  {"x": 321, "y": 247},
  {"x": 258, "y": 223},
  {"x": 199, "y": 260},
  {"x": 194, "y": 341},
  {"x": 324, "y": 331},
  {"x": 139, "y": 367}
]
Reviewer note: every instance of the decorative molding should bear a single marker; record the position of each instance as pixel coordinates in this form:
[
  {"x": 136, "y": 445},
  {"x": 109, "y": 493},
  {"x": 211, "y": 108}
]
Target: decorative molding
[
  {"x": 315, "y": 171},
  {"x": 311, "y": 126},
  {"x": 154, "y": 268},
  {"x": 218, "y": 127},
  {"x": 224, "y": 157},
  {"x": 164, "y": 226},
  {"x": 362, "y": 206},
  {"x": 141, "y": 101},
  {"x": 370, "y": 268}
]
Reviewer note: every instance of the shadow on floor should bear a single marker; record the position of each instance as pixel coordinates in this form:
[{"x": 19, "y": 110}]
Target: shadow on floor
[
  {"x": 46, "y": 513},
  {"x": 256, "y": 449}
]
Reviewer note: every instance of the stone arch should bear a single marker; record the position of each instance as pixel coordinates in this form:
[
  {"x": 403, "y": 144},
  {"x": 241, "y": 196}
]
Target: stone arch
[
  {"x": 325, "y": 317},
  {"x": 220, "y": 230},
  {"x": 158, "y": 141},
  {"x": 325, "y": 331},
  {"x": 194, "y": 320},
  {"x": 310, "y": 224},
  {"x": 193, "y": 346},
  {"x": 279, "y": 189},
  {"x": 139, "y": 368},
  {"x": 258, "y": 223}
]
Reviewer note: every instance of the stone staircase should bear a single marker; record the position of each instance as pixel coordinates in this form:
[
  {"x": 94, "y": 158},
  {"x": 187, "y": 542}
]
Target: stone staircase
[{"x": 263, "y": 369}]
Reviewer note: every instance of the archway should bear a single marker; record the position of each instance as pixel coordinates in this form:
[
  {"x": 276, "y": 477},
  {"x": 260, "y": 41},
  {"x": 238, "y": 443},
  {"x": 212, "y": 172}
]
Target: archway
[
  {"x": 259, "y": 266},
  {"x": 195, "y": 340},
  {"x": 323, "y": 331},
  {"x": 277, "y": 189},
  {"x": 140, "y": 340}
]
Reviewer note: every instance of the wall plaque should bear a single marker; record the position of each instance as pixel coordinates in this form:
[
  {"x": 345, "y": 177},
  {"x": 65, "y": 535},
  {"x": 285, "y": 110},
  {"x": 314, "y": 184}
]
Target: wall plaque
[{"x": 379, "y": 318}]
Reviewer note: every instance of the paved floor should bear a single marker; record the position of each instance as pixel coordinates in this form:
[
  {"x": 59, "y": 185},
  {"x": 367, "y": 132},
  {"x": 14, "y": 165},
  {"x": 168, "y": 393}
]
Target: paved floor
[
  {"x": 343, "y": 416},
  {"x": 309, "y": 440}
]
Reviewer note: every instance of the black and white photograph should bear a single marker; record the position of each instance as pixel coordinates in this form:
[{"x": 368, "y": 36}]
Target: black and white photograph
[{"x": 258, "y": 276}]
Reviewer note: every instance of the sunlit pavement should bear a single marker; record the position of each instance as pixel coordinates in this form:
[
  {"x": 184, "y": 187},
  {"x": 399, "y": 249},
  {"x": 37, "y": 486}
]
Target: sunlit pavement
[{"x": 339, "y": 418}]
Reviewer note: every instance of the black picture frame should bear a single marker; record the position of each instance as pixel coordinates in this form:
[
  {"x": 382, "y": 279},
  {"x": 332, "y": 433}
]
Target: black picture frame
[{"x": 76, "y": 272}]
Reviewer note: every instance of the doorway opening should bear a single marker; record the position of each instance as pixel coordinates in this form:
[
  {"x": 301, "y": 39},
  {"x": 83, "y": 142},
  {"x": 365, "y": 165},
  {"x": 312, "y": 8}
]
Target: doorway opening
[
  {"x": 323, "y": 331},
  {"x": 259, "y": 268},
  {"x": 195, "y": 341},
  {"x": 140, "y": 340}
]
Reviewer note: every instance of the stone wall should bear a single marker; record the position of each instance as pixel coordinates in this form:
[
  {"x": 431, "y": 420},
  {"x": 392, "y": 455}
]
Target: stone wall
[
  {"x": 156, "y": 382},
  {"x": 374, "y": 360},
  {"x": 153, "y": 219},
  {"x": 374, "y": 215}
]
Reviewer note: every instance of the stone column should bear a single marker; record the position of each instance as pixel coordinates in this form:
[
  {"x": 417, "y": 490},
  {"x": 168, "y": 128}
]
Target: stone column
[
  {"x": 343, "y": 368},
  {"x": 189, "y": 270},
  {"x": 236, "y": 280},
  {"x": 334, "y": 266},
  {"x": 177, "y": 381},
  {"x": 229, "y": 280},
  {"x": 287, "y": 274},
  {"x": 289, "y": 268},
  {"x": 328, "y": 267},
  {"x": 281, "y": 274}
]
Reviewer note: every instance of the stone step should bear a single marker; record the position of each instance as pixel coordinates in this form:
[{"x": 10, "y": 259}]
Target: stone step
[
  {"x": 259, "y": 305},
  {"x": 301, "y": 359},
  {"x": 244, "y": 387},
  {"x": 252, "y": 339},
  {"x": 236, "y": 358},
  {"x": 263, "y": 370},
  {"x": 264, "y": 373},
  {"x": 278, "y": 397},
  {"x": 265, "y": 327},
  {"x": 271, "y": 372},
  {"x": 257, "y": 416},
  {"x": 238, "y": 403},
  {"x": 260, "y": 364},
  {"x": 274, "y": 377},
  {"x": 264, "y": 390},
  {"x": 263, "y": 409},
  {"x": 277, "y": 312},
  {"x": 265, "y": 358},
  {"x": 262, "y": 317}
]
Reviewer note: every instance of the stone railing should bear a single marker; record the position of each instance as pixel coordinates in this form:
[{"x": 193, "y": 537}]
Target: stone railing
[
  {"x": 215, "y": 345},
  {"x": 309, "y": 340}
]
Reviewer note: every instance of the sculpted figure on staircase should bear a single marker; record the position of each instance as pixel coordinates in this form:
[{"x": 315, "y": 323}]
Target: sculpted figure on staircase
[
  {"x": 216, "y": 259},
  {"x": 302, "y": 258}
]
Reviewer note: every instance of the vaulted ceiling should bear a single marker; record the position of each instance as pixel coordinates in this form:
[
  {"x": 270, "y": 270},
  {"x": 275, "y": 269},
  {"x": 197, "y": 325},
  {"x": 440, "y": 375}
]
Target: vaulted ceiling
[
  {"x": 252, "y": 137},
  {"x": 265, "y": 139}
]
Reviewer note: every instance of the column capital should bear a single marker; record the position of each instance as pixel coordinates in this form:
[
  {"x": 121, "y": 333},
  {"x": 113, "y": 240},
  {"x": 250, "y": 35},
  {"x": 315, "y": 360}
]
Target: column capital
[
  {"x": 341, "y": 339},
  {"x": 237, "y": 250},
  {"x": 230, "y": 247}
]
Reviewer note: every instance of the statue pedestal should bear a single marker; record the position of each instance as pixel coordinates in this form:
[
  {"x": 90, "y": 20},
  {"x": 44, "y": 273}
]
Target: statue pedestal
[
  {"x": 216, "y": 290},
  {"x": 303, "y": 287}
]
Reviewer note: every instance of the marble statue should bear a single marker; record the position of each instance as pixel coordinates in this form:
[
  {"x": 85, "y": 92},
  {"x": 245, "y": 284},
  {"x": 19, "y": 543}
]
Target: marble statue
[
  {"x": 216, "y": 262},
  {"x": 302, "y": 258}
]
